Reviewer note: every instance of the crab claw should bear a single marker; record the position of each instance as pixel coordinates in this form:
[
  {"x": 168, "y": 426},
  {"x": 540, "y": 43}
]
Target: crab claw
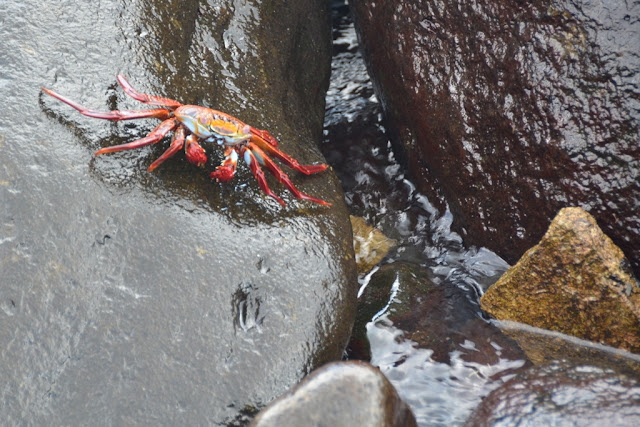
[
  {"x": 195, "y": 153},
  {"x": 226, "y": 171}
]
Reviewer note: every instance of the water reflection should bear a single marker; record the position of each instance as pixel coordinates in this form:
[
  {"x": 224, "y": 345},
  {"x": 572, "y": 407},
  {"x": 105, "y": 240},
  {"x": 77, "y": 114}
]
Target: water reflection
[{"x": 438, "y": 393}]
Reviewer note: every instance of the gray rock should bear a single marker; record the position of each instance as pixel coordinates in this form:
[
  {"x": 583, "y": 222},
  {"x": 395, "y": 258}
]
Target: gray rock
[
  {"x": 129, "y": 297},
  {"x": 339, "y": 394}
]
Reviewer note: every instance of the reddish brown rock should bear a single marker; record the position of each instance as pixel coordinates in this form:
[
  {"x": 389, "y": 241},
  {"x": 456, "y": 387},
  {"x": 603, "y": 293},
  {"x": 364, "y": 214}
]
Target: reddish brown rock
[
  {"x": 438, "y": 317},
  {"x": 575, "y": 281},
  {"x": 511, "y": 110}
]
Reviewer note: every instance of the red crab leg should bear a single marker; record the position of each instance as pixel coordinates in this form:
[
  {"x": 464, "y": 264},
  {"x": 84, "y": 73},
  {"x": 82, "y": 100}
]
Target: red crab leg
[
  {"x": 251, "y": 160},
  {"x": 281, "y": 176},
  {"x": 147, "y": 99},
  {"x": 226, "y": 171},
  {"x": 265, "y": 135},
  {"x": 115, "y": 115},
  {"x": 285, "y": 158},
  {"x": 176, "y": 145},
  {"x": 156, "y": 135}
]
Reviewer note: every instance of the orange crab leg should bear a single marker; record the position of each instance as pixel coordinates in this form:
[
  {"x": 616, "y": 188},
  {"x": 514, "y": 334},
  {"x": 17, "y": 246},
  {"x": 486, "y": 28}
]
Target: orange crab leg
[
  {"x": 115, "y": 115},
  {"x": 147, "y": 99},
  {"x": 285, "y": 158},
  {"x": 176, "y": 145},
  {"x": 251, "y": 160},
  {"x": 281, "y": 176},
  {"x": 268, "y": 138},
  {"x": 156, "y": 135}
]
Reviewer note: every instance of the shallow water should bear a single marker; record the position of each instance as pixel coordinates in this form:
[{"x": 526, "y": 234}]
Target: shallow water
[
  {"x": 438, "y": 393},
  {"x": 377, "y": 189}
]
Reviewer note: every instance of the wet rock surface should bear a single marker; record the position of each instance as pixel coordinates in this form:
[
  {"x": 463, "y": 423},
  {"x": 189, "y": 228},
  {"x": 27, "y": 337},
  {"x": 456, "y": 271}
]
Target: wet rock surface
[
  {"x": 562, "y": 394},
  {"x": 339, "y": 394},
  {"x": 544, "y": 347},
  {"x": 428, "y": 339},
  {"x": 510, "y": 111},
  {"x": 446, "y": 378},
  {"x": 575, "y": 281},
  {"x": 369, "y": 244},
  {"x": 135, "y": 297},
  {"x": 438, "y": 317}
]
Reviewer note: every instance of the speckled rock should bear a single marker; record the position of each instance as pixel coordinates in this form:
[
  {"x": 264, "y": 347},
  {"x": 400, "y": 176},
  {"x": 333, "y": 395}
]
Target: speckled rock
[
  {"x": 369, "y": 244},
  {"x": 575, "y": 281},
  {"x": 340, "y": 394}
]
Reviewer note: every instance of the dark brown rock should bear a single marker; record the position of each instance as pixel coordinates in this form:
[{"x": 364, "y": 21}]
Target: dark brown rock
[
  {"x": 339, "y": 394},
  {"x": 511, "y": 110},
  {"x": 562, "y": 394},
  {"x": 575, "y": 281}
]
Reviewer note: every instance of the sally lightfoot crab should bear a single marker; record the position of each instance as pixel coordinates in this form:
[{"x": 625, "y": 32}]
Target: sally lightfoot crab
[{"x": 193, "y": 125}]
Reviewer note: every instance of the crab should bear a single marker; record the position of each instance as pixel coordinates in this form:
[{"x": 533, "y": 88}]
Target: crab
[{"x": 193, "y": 125}]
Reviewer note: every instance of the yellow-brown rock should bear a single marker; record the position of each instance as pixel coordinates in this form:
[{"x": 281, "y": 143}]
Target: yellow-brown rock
[
  {"x": 575, "y": 281},
  {"x": 369, "y": 244}
]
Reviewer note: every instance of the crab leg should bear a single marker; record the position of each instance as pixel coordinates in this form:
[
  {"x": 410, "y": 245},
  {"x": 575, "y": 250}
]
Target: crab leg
[
  {"x": 176, "y": 145},
  {"x": 268, "y": 138},
  {"x": 251, "y": 160},
  {"x": 147, "y": 99},
  {"x": 115, "y": 115},
  {"x": 270, "y": 149},
  {"x": 226, "y": 171},
  {"x": 156, "y": 135},
  {"x": 281, "y": 176}
]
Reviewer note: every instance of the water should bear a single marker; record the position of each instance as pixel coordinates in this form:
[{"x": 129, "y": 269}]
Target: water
[
  {"x": 377, "y": 188},
  {"x": 438, "y": 393}
]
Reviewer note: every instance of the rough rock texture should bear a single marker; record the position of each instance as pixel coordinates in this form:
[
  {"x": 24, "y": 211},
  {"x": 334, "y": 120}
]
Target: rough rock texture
[
  {"x": 129, "y": 297},
  {"x": 575, "y": 281},
  {"x": 339, "y": 394},
  {"x": 561, "y": 394},
  {"x": 369, "y": 244},
  {"x": 511, "y": 110}
]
